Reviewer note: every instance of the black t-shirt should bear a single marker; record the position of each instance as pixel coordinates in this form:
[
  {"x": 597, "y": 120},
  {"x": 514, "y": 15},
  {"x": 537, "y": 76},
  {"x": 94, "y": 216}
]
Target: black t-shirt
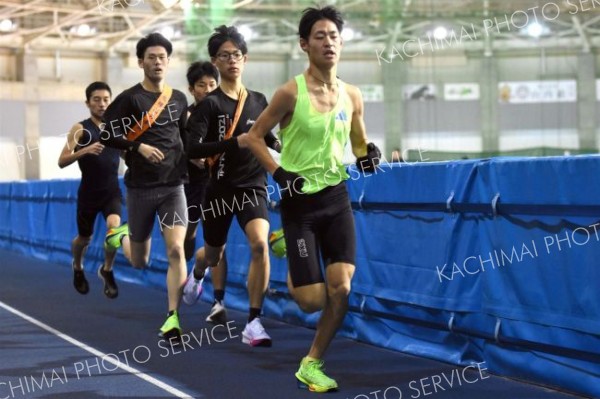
[
  {"x": 99, "y": 173},
  {"x": 207, "y": 126},
  {"x": 167, "y": 134},
  {"x": 196, "y": 174}
]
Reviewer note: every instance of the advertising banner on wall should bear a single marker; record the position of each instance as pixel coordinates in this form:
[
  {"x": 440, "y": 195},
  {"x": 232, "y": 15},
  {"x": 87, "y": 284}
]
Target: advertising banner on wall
[
  {"x": 461, "y": 91},
  {"x": 425, "y": 91},
  {"x": 546, "y": 91},
  {"x": 371, "y": 93}
]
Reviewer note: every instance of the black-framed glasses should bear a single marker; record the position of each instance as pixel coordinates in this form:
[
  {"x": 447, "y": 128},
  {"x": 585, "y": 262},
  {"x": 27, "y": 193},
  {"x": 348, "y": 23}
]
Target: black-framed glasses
[{"x": 225, "y": 56}]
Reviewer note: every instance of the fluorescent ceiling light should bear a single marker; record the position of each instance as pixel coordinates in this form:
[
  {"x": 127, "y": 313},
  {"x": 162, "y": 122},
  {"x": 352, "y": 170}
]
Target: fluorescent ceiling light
[
  {"x": 535, "y": 29},
  {"x": 6, "y": 25},
  {"x": 440, "y": 33},
  {"x": 82, "y": 30},
  {"x": 348, "y": 34},
  {"x": 170, "y": 33},
  {"x": 247, "y": 32}
]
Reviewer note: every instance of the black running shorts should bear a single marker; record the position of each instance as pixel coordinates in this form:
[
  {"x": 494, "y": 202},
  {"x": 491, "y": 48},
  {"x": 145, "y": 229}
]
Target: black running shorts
[
  {"x": 222, "y": 203},
  {"x": 194, "y": 195},
  {"x": 319, "y": 225},
  {"x": 87, "y": 211}
]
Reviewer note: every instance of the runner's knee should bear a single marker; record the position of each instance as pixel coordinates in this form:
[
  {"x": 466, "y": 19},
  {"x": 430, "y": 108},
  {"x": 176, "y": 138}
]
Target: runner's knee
[
  {"x": 338, "y": 289},
  {"x": 259, "y": 248},
  {"x": 175, "y": 251},
  {"x": 310, "y": 304}
]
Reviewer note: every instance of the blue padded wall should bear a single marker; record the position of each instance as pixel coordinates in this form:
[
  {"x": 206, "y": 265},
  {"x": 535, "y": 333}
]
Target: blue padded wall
[{"x": 467, "y": 261}]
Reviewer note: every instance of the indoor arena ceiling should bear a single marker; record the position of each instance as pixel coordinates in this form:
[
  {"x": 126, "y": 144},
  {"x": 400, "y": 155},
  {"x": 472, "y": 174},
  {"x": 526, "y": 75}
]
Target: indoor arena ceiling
[{"x": 386, "y": 27}]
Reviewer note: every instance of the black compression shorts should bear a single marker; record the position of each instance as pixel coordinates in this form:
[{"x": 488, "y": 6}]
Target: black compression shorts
[
  {"x": 87, "y": 212},
  {"x": 194, "y": 195},
  {"x": 318, "y": 225},
  {"x": 222, "y": 203}
]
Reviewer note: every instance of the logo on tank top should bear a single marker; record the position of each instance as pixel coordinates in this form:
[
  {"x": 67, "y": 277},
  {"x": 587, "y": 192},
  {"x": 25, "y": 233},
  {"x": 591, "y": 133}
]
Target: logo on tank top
[
  {"x": 302, "y": 250},
  {"x": 341, "y": 116}
]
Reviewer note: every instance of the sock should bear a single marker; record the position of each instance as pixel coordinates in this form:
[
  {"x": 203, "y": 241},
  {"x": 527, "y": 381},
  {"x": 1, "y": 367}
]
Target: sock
[
  {"x": 219, "y": 295},
  {"x": 198, "y": 275},
  {"x": 189, "y": 246},
  {"x": 171, "y": 313},
  {"x": 308, "y": 359},
  {"x": 254, "y": 313}
]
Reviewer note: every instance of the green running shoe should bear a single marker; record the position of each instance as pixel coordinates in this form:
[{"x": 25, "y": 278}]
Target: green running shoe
[
  {"x": 310, "y": 376},
  {"x": 171, "y": 330},
  {"x": 115, "y": 235}
]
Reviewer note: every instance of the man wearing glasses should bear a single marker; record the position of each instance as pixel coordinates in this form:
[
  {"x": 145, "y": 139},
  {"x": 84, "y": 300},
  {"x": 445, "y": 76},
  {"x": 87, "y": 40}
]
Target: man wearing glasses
[{"x": 237, "y": 184}]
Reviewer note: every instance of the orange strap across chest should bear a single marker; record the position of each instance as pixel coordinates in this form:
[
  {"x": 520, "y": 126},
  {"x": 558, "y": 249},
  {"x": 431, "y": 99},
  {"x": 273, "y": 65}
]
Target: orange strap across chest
[
  {"x": 236, "y": 117},
  {"x": 151, "y": 116}
]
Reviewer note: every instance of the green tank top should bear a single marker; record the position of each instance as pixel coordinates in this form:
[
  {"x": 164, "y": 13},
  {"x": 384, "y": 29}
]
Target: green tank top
[{"x": 313, "y": 142}]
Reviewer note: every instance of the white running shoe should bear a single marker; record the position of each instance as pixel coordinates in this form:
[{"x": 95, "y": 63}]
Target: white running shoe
[
  {"x": 192, "y": 289},
  {"x": 218, "y": 314},
  {"x": 254, "y": 334}
]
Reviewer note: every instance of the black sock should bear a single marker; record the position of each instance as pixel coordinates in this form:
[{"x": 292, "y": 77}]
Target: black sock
[
  {"x": 189, "y": 246},
  {"x": 254, "y": 313},
  {"x": 198, "y": 275},
  {"x": 219, "y": 295},
  {"x": 171, "y": 313}
]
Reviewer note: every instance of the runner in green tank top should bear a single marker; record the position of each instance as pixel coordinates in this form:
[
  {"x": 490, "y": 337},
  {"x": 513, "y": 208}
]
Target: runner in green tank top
[{"x": 317, "y": 114}]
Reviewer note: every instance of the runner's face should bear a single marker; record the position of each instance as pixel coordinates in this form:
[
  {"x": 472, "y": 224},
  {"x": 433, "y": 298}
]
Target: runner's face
[
  {"x": 229, "y": 61},
  {"x": 324, "y": 43},
  {"x": 202, "y": 87},
  {"x": 98, "y": 103},
  {"x": 155, "y": 63}
]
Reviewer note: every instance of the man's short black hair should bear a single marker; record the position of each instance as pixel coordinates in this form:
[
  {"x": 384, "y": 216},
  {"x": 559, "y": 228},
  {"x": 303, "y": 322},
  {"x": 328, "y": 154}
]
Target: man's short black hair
[
  {"x": 224, "y": 34},
  {"x": 200, "y": 69},
  {"x": 96, "y": 86},
  {"x": 313, "y": 14},
  {"x": 151, "y": 40}
]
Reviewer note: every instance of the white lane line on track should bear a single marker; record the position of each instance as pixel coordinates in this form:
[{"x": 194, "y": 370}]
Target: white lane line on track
[{"x": 166, "y": 387}]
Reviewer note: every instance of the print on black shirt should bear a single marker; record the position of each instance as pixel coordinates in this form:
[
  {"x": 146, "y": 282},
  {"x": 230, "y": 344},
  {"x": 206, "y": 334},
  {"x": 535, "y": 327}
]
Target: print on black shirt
[{"x": 207, "y": 126}]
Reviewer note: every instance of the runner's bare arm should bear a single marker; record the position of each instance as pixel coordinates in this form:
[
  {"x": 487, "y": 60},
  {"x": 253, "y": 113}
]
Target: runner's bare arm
[
  {"x": 281, "y": 105},
  {"x": 358, "y": 132},
  {"x": 77, "y": 134}
]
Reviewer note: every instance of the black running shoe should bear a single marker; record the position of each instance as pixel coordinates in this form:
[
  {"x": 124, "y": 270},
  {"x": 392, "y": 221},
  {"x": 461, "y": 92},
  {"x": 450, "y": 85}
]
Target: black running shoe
[
  {"x": 110, "y": 286},
  {"x": 79, "y": 281}
]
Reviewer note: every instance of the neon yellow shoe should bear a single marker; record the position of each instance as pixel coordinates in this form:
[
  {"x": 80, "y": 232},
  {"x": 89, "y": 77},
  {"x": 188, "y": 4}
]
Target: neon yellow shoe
[
  {"x": 171, "y": 330},
  {"x": 115, "y": 235},
  {"x": 310, "y": 376}
]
